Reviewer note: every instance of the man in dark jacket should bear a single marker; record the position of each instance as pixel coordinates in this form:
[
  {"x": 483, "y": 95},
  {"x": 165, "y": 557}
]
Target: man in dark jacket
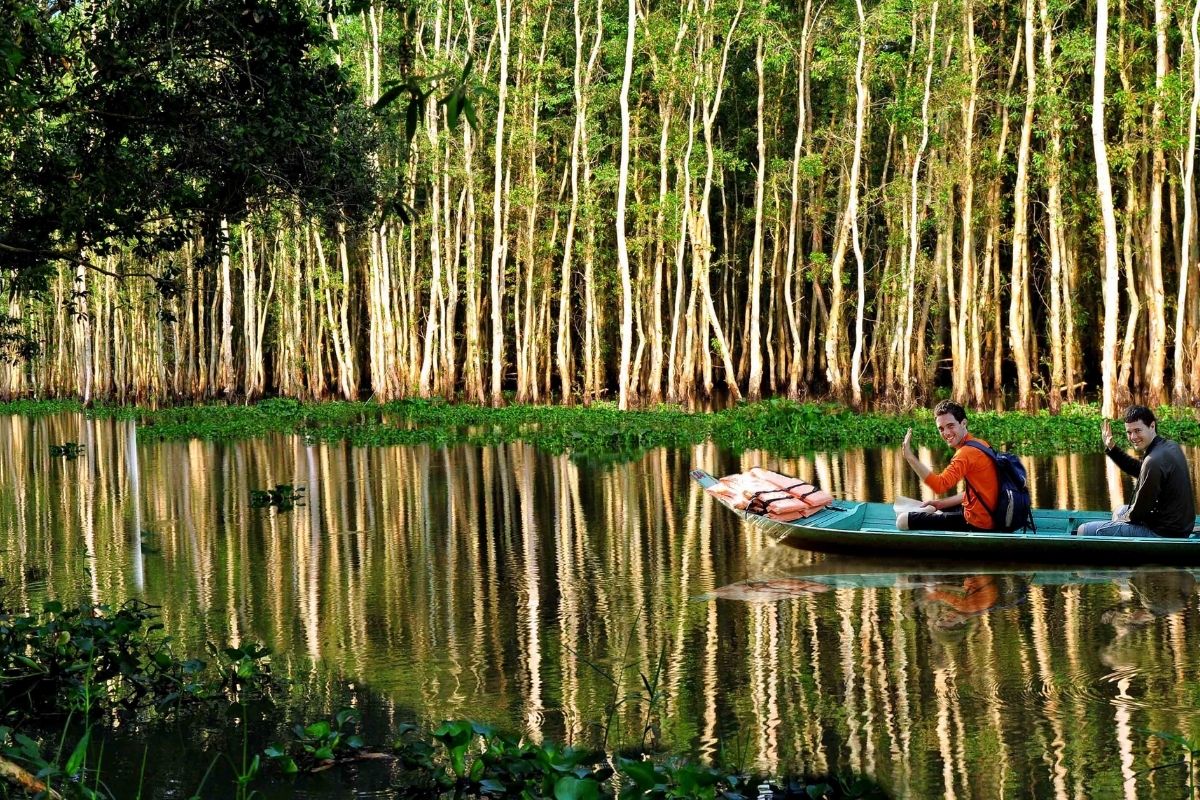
[{"x": 1164, "y": 504}]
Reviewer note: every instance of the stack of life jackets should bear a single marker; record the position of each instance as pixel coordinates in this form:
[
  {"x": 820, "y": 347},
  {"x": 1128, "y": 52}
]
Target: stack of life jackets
[{"x": 778, "y": 497}]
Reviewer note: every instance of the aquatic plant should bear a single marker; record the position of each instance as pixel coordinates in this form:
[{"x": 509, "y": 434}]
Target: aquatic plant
[
  {"x": 284, "y": 497},
  {"x": 67, "y": 450},
  {"x": 99, "y": 658},
  {"x": 319, "y": 745},
  {"x": 602, "y": 433},
  {"x": 467, "y": 759},
  {"x": 87, "y": 666}
]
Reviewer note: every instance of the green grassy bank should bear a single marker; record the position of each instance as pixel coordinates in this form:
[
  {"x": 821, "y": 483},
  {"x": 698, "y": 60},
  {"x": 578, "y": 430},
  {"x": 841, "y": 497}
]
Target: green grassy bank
[{"x": 601, "y": 431}]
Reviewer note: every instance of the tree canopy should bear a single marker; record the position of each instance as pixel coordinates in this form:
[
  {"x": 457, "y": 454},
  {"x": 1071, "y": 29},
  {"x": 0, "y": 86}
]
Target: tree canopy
[{"x": 136, "y": 123}]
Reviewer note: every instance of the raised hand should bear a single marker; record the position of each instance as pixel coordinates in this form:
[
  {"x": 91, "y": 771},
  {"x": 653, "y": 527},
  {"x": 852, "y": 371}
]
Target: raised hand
[
  {"x": 908, "y": 441},
  {"x": 1106, "y": 434}
]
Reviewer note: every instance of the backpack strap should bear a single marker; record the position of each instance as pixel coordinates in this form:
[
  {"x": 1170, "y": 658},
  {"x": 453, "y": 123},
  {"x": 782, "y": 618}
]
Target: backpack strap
[{"x": 991, "y": 454}]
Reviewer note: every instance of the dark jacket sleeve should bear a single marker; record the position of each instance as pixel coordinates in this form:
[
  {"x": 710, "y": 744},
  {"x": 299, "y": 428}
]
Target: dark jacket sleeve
[
  {"x": 1150, "y": 482},
  {"x": 1128, "y": 464}
]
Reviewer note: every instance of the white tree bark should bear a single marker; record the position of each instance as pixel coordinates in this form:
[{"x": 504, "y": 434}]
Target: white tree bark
[{"x": 1108, "y": 405}]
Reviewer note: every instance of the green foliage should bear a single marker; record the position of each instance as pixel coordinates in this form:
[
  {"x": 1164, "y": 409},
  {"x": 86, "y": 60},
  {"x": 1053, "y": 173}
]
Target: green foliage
[
  {"x": 113, "y": 660},
  {"x": 675, "y": 779},
  {"x": 52, "y": 770},
  {"x": 467, "y": 759},
  {"x": 474, "y": 759},
  {"x": 124, "y": 127},
  {"x": 600, "y": 433},
  {"x": 99, "y": 663},
  {"x": 319, "y": 745}
]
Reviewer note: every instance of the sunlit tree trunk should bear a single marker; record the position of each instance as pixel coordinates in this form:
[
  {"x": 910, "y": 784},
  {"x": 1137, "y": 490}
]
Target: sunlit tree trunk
[
  {"x": 967, "y": 379},
  {"x": 622, "y": 191},
  {"x": 793, "y": 265},
  {"x": 754, "y": 388},
  {"x": 1018, "y": 280},
  {"x": 1108, "y": 356},
  {"x": 472, "y": 356},
  {"x": 915, "y": 216},
  {"x": 1054, "y": 212},
  {"x": 1179, "y": 392},
  {"x": 434, "y": 325},
  {"x": 833, "y": 331},
  {"x": 700, "y": 225},
  {"x": 499, "y": 236},
  {"x": 226, "y": 378},
  {"x": 1156, "y": 380},
  {"x": 680, "y": 376}
]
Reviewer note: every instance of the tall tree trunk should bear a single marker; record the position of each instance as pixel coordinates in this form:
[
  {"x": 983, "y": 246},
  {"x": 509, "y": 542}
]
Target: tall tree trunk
[
  {"x": 1108, "y": 358},
  {"x": 227, "y": 378},
  {"x": 1054, "y": 211},
  {"x": 967, "y": 378},
  {"x": 499, "y": 236},
  {"x": 622, "y": 191},
  {"x": 1179, "y": 392},
  {"x": 914, "y": 215},
  {"x": 833, "y": 332},
  {"x": 700, "y": 227},
  {"x": 81, "y": 317},
  {"x": 795, "y": 260},
  {"x": 1018, "y": 284},
  {"x": 1155, "y": 389},
  {"x": 754, "y": 389}
]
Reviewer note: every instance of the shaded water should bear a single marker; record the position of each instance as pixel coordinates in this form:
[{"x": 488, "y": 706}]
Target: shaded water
[{"x": 513, "y": 587}]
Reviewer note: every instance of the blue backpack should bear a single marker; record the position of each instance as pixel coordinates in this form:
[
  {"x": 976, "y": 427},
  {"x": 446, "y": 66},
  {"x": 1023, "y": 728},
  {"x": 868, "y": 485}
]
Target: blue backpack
[{"x": 1013, "y": 510}]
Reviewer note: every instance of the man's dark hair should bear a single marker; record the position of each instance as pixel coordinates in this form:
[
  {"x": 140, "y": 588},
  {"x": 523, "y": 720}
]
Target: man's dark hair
[
  {"x": 1139, "y": 414},
  {"x": 950, "y": 407}
]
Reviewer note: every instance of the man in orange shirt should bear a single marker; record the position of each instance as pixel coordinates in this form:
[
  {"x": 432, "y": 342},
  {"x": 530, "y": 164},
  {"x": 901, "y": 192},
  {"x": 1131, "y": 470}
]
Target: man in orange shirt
[{"x": 969, "y": 510}]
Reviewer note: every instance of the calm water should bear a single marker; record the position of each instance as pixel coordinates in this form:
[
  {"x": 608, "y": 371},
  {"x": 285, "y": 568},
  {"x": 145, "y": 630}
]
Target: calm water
[{"x": 506, "y": 585}]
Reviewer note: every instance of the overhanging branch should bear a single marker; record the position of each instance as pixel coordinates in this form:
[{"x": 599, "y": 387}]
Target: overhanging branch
[{"x": 73, "y": 258}]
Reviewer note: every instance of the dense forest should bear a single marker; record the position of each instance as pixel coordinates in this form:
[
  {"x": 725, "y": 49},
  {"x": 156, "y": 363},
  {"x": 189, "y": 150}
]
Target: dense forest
[{"x": 651, "y": 202}]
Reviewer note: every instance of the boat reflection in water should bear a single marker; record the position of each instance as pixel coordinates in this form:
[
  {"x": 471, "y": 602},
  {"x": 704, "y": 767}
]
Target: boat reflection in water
[{"x": 1000, "y": 656}]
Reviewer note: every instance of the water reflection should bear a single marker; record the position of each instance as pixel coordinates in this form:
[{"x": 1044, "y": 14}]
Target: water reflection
[{"x": 533, "y": 591}]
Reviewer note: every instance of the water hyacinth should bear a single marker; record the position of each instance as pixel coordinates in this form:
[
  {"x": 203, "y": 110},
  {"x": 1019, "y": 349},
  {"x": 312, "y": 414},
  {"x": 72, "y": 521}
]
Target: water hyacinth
[{"x": 601, "y": 432}]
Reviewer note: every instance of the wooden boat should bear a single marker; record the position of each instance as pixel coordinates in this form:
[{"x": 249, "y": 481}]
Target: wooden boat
[{"x": 869, "y": 529}]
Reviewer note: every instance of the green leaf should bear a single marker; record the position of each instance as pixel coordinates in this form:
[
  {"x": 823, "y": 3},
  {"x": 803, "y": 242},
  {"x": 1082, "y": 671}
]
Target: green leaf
[
  {"x": 318, "y": 730},
  {"x": 641, "y": 772},
  {"x": 453, "y": 108},
  {"x": 569, "y": 788},
  {"x": 347, "y": 715},
  {"x": 75, "y": 762},
  {"x": 412, "y": 115}
]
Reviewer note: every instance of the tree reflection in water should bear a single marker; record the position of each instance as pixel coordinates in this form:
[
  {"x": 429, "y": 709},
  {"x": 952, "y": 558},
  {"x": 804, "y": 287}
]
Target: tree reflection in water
[{"x": 529, "y": 590}]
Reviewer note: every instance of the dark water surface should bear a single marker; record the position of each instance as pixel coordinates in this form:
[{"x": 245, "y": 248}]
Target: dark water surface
[{"x": 514, "y": 587}]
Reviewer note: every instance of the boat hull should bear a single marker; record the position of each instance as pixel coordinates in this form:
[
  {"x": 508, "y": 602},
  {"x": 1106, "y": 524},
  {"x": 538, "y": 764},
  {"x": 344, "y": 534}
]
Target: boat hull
[{"x": 869, "y": 529}]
